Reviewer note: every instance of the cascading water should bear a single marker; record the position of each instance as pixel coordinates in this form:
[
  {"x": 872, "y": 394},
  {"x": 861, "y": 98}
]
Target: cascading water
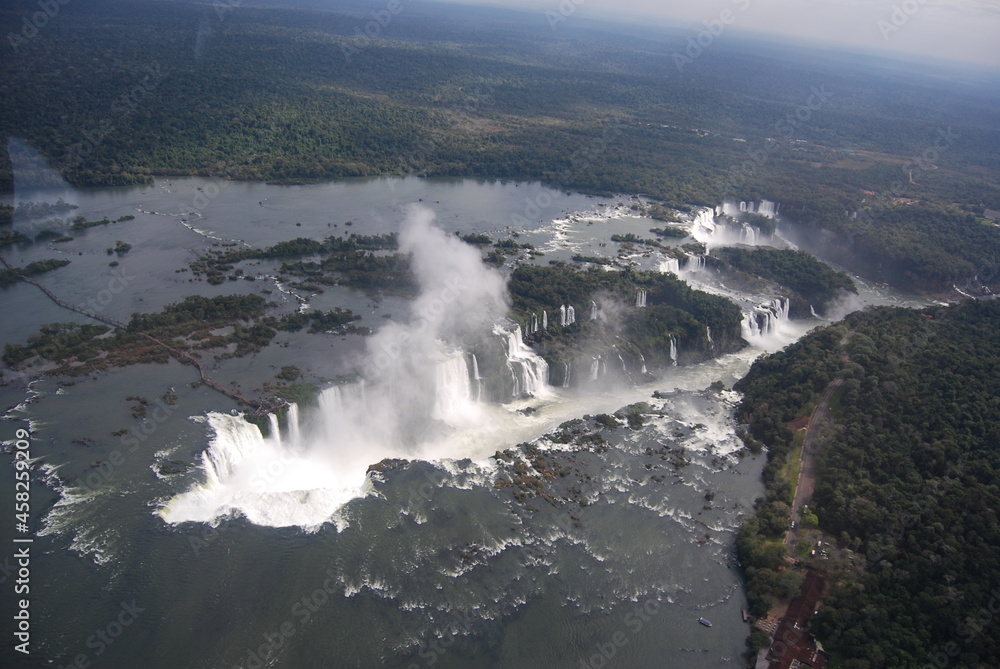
[
  {"x": 765, "y": 318},
  {"x": 673, "y": 351},
  {"x": 272, "y": 420},
  {"x": 562, "y": 316},
  {"x": 670, "y": 265},
  {"x": 767, "y": 208},
  {"x": 707, "y": 230},
  {"x": 416, "y": 400},
  {"x": 570, "y": 315},
  {"x": 567, "y": 373},
  {"x": 593, "y": 310},
  {"x": 708, "y": 334},
  {"x": 640, "y": 299},
  {"x": 477, "y": 378},
  {"x": 695, "y": 263},
  {"x": 528, "y": 370},
  {"x": 545, "y": 320},
  {"x": 595, "y": 369},
  {"x": 294, "y": 432}
]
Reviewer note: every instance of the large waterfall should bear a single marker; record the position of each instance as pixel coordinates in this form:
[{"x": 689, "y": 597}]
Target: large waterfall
[
  {"x": 765, "y": 318},
  {"x": 730, "y": 230},
  {"x": 430, "y": 385},
  {"x": 528, "y": 370},
  {"x": 670, "y": 265},
  {"x": 567, "y": 315},
  {"x": 476, "y": 378}
]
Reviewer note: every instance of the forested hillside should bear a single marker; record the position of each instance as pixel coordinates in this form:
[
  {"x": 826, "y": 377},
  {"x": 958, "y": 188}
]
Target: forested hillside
[{"x": 908, "y": 479}]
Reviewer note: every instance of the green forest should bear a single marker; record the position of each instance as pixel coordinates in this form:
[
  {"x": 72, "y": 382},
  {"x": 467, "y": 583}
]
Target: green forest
[
  {"x": 116, "y": 92},
  {"x": 909, "y": 481},
  {"x": 673, "y": 310},
  {"x": 811, "y": 283}
]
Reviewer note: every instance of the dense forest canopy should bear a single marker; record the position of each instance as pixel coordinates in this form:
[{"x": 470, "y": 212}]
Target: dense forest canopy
[
  {"x": 811, "y": 283},
  {"x": 909, "y": 480}
]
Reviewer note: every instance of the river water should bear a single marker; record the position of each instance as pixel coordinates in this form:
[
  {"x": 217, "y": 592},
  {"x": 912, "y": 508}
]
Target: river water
[{"x": 427, "y": 564}]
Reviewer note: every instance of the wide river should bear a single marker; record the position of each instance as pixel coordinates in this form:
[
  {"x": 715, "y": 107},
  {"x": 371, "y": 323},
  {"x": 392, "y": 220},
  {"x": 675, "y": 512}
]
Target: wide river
[{"x": 427, "y": 565}]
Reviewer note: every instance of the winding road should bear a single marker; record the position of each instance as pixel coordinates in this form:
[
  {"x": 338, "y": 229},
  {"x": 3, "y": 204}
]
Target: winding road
[{"x": 807, "y": 460}]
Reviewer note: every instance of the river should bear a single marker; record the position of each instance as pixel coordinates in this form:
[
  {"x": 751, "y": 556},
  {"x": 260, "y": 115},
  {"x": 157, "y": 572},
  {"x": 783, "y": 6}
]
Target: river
[{"x": 424, "y": 565}]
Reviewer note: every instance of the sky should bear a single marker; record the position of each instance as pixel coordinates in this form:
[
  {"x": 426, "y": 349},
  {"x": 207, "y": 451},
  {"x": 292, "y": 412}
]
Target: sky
[{"x": 964, "y": 30}]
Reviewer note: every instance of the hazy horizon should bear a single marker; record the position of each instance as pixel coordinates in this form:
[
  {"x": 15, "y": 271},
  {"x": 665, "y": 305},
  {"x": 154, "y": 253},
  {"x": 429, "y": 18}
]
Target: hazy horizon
[{"x": 951, "y": 30}]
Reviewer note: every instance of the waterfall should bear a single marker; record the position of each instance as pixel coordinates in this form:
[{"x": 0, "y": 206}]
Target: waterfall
[
  {"x": 477, "y": 378},
  {"x": 593, "y": 310},
  {"x": 643, "y": 359},
  {"x": 595, "y": 369},
  {"x": 729, "y": 209},
  {"x": 294, "y": 435},
  {"x": 567, "y": 371},
  {"x": 708, "y": 333},
  {"x": 640, "y": 299},
  {"x": 453, "y": 389},
  {"x": 272, "y": 421},
  {"x": 545, "y": 320},
  {"x": 813, "y": 312},
  {"x": 673, "y": 351},
  {"x": 570, "y": 315},
  {"x": 748, "y": 235},
  {"x": 235, "y": 440},
  {"x": 528, "y": 370},
  {"x": 767, "y": 208},
  {"x": 695, "y": 263},
  {"x": 624, "y": 368},
  {"x": 533, "y": 328},
  {"x": 562, "y": 316},
  {"x": 743, "y": 206},
  {"x": 671, "y": 265},
  {"x": 763, "y": 319}
]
